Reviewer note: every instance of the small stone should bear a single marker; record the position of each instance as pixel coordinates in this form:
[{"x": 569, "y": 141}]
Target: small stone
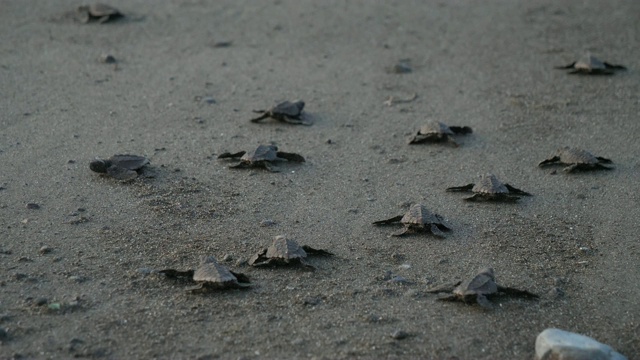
[
  {"x": 241, "y": 262},
  {"x": 555, "y": 293},
  {"x": 77, "y": 278},
  {"x": 227, "y": 257},
  {"x": 45, "y": 250},
  {"x": 399, "y": 335},
  {"x": 560, "y": 344},
  {"x": 32, "y": 206},
  {"x": 107, "y": 59},
  {"x": 41, "y": 301},
  {"x": 267, "y": 223},
  {"x": 4, "y": 335}
]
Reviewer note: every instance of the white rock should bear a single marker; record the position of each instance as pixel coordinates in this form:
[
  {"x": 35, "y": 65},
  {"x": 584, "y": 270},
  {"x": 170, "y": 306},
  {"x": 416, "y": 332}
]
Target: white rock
[{"x": 556, "y": 344}]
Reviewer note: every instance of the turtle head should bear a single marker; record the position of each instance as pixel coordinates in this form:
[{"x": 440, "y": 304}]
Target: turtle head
[{"x": 99, "y": 165}]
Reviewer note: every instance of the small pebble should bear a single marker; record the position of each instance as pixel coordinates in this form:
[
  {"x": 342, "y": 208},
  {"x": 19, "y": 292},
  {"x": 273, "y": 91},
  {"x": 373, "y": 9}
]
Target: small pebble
[
  {"x": 107, "y": 59},
  {"x": 241, "y": 262},
  {"x": 45, "y": 250},
  {"x": 32, "y": 206},
  {"x": 399, "y": 335},
  {"x": 41, "y": 301},
  {"x": 267, "y": 223},
  {"x": 227, "y": 257}
]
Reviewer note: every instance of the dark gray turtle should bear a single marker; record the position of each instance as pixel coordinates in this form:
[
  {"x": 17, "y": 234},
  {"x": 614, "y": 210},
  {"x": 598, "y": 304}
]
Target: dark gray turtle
[
  {"x": 97, "y": 12},
  {"x": 489, "y": 188},
  {"x": 289, "y": 112},
  {"x": 417, "y": 219},
  {"x": 479, "y": 289},
  {"x": 285, "y": 251},
  {"x": 590, "y": 65},
  {"x": 438, "y": 132},
  {"x": 210, "y": 275},
  {"x": 263, "y": 156},
  {"x": 577, "y": 159},
  {"x": 121, "y": 167}
]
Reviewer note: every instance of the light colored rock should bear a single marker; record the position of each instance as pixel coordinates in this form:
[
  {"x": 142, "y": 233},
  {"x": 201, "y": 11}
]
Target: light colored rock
[{"x": 556, "y": 344}]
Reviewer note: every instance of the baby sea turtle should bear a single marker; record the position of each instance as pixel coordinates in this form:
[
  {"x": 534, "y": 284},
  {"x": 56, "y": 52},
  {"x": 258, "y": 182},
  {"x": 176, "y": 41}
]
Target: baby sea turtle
[
  {"x": 97, "y": 12},
  {"x": 285, "y": 251},
  {"x": 263, "y": 156},
  {"x": 210, "y": 275},
  {"x": 479, "y": 289},
  {"x": 417, "y": 219},
  {"x": 491, "y": 189},
  {"x": 288, "y": 111},
  {"x": 439, "y": 132},
  {"x": 577, "y": 159},
  {"x": 590, "y": 65},
  {"x": 121, "y": 167}
]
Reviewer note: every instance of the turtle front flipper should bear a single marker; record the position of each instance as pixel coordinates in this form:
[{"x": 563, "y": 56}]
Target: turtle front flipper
[
  {"x": 196, "y": 288},
  {"x": 516, "y": 190},
  {"x": 297, "y": 120},
  {"x": 461, "y": 188},
  {"x": 259, "y": 259},
  {"x": 461, "y": 130},
  {"x": 269, "y": 166},
  {"x": 517, "y": 292},
  {"x": 173, "y": 274},
  {"x": 448, "y": 297},
  {"x": 436, "y": 231},
  {"x": 315, "y": 252},
  {"x": 572, "y": 168},
  {"x": 604, "y": 160},
  {"x": 393, "y": 220},
  {"x": 227, "y": 155},
  {"x": 475, "y": 197},
  {"x": 602, "y": 167},
  {"x": 614, "y": 67},
  {"x": 290, "y": 156},
  {"x": 122, "y": 174},
  {"x": 552, "y": 160},
  {"x": 570, "y": 66},
  {"x": 422, "y": 138},
  {"x": 261, "y": 117}
]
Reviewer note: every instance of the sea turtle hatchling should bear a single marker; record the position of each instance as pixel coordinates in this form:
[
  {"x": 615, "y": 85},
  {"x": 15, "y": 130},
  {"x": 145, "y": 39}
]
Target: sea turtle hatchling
[
  {"x": 489, "y": 188},
  {"x": 417, "y": 219},
  {"x": 590, "y": 65},
  {"x": 577, "y": 159},
  {"x": 478, "y": 290},
  {"x": 263, "y": 156},
  {"x": 287, "y": 111},
  {"x": 121, "y": 167},
  {"x": 210, "y": 275},
  {"x": 97, "y": 12},
  {"x": 438, "y": 132},
  {"x": 284, "y": 251}
]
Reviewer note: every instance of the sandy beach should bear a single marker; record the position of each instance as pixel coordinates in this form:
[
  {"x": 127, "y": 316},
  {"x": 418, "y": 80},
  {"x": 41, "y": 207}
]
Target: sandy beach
[{"x": 79, "y": 270}]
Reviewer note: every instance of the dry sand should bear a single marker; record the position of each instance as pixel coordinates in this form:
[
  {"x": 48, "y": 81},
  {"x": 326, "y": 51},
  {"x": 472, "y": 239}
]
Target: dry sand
[{"x": 485, "y": 64}]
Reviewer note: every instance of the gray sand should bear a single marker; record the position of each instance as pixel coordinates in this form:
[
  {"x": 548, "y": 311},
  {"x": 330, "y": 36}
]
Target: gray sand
[{"x": 488, "y": 65}]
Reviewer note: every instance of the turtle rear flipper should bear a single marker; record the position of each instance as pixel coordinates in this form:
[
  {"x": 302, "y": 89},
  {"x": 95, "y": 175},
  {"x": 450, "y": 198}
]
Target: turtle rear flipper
[
  {"x": 516, "y": 190},
  {"x": 290, "y": 156},
  {"x": 316, "y": 252},
  {"x": 195, "y": 289},
  {"x": 227, "y": 155},
  {"x": 391, "y": 221},
  {"x": 404, "y": 231},
  {"x": 267, "y": 165},
  {"x": 517, "y": 292},
  {"x": 604, "y": 160},
  {"x": 552, "y": 160},
  {"x": 475, "y": 197},
  {"x": 461, "y": 188},
  {"x": 296, "y": 120},
  {"x": 240, "y": 165},
  {"x": 122, "y": 174},
  {"x": 461, "y": 129},
  {"x": 421, "y": 138},
  {"x": 483, "y": 301}
]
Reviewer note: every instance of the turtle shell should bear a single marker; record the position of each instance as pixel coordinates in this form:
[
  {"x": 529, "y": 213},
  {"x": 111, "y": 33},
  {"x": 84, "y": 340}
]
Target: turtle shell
[
  {"x": 489, "y": 184},
  {"x": 436, "y": 127},
  {"x": 484, "y": 283},
  {"x": 576, "y": 156},
  {"x": 212, "y": 273},
  {"x": 419, "y": 215},
  {"x": 283, "y": 248},
  {"x": 288, "y": 108},
  {"x": 261, "y": 153}
]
